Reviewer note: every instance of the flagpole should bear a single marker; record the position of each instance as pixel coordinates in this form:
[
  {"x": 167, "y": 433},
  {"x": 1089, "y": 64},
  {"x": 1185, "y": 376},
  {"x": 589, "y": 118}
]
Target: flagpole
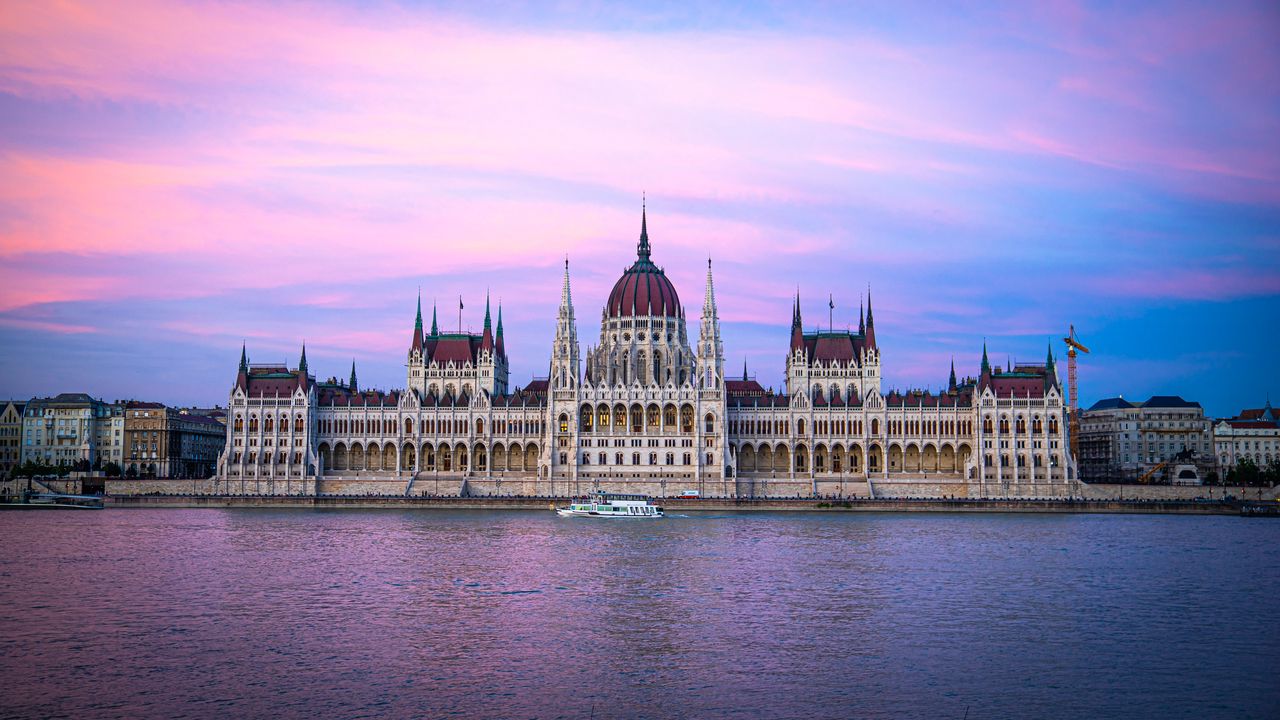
[{"x": 459, "y": 314}]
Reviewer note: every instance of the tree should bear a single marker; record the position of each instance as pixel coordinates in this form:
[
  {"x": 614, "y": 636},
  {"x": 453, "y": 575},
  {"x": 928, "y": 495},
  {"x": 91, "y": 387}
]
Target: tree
[
  {"x": 1245, "y": 473},
  {"x": 111, "y": 469}
]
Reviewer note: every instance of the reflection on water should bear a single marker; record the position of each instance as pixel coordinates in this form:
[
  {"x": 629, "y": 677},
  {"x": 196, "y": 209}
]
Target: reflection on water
[{"x": 210, "y": 613}]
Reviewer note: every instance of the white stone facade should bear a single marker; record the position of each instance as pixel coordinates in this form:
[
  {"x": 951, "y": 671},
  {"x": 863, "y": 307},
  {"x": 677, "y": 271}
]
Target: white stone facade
[{"x": 646, "y": 411}]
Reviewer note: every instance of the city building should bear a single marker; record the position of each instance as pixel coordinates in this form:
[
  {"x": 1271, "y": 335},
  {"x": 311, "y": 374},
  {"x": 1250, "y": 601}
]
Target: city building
[
  {"x": 10, "y": 435},
  {"x": 646, "y": 409},
  {"x": 169, "y": 443},
  {"x": 71, "y": 427},
  {"x": 1120, "y": 440},
  {"x": 1253, "y": 435}
]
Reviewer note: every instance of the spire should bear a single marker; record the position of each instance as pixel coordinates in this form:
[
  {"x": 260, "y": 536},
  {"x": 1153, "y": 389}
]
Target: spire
[
  {"x": 354, "y": 386},
  {"x": 486, "y": 342},
  {"x": 242, "y": 376},
  {"x": 744, "y": 369},
  {"x": 797, "y": 326},
  {"x": 642, "y": 250},
  {"x": 302, "y": 368},
  {"x": 986, "y": 364},
  {"x": 951, "y": 383},
  {"x": 710, "y": 300},
  {"x": 566, "y": 298},
  {"x": 417, "y": 326},
  {"x": 871, "y": 323},
  {"x": 862, "y": 322},
  {"x": 501, "y": 348},
  {"x": 435, "y": 329}
]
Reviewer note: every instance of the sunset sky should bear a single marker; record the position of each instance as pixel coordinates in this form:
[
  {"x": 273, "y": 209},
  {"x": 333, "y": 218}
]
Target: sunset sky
[{"x": 176, "y": 177}]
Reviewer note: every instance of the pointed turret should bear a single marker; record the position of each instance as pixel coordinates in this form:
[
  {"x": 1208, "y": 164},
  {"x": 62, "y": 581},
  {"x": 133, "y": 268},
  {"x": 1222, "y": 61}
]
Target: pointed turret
[
  {"x": 564, "y": 350},
  {"x": 417, "y": 327},
  {"x": 486, "y": 341},
  {"x": 501, "y": 347},
  {"x": 710, "y": 358},
  {"x": 862, "y": 321},
  {"x": 435, "y": 329},
  {"x": 985, "y": 370},
  {"x": 242, "y": 376},
  {"x": 642, "y": 249},
  {"x": 302, "y": 368},
  {"x": 1050, "y": 370},
  {"x": 353, "y": 385},
  {"x": 871, "y": 324},
  {"x": 951, "y": 383},
  {"x": 797, "y": 327},
  {"x": 744, "y": 369}
]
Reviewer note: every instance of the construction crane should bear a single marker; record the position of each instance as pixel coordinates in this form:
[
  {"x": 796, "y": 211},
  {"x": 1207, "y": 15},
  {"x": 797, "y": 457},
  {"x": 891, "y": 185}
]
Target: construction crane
[{"x": 1074, "y": 344}]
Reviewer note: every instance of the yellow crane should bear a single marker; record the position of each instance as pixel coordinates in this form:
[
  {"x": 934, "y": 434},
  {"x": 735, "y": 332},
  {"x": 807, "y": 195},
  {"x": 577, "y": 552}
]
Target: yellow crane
[{"x": 1073, "y": 344}]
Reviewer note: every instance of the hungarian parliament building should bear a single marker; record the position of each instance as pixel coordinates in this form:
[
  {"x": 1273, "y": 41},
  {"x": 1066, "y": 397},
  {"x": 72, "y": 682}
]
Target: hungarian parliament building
[{"x": 645, "y": 411}]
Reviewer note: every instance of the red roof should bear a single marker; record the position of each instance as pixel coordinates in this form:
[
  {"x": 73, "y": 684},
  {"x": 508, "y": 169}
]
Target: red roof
[
  {"x": 458, "y": 349},
  {"x": 643, "y": 290},
  {"x": 829, "y": 347}
]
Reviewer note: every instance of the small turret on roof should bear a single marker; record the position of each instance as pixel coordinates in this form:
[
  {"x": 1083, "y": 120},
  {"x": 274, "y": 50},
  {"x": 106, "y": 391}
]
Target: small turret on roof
[
  {"x": 501, "y": 347},
  {"x": 486, "y": 339},
  {"x": 871, "y": 325},
  {"x": 417, "y": 327},
  {"x": 302, "y": 369},
  {"x": 353, "y": 385},
  {"x": 797, "y": 329}
]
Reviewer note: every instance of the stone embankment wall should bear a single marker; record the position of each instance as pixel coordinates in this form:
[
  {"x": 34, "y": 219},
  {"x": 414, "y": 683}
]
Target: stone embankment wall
[{"x": 436, "y": 486}]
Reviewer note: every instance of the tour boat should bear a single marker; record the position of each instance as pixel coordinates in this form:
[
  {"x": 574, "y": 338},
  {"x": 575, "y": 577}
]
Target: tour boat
[{"x": 611, "y": 505}]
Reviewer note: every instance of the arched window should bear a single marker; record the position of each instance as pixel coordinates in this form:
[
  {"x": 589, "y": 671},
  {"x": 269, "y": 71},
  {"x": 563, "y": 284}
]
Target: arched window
[
  {"x": 479, "y": 426},
  {"x": 253, "y": 423},
  {"x": 298, "y": 424},
  {"x": 564, "y": 422},
  {"x": 710, "y": 422},
  {"x": 408, "y": 426},
  {"x": 239, "y": 425},
  {"x": 800, "y": 426},
  {"x": 875, "y": 426}
]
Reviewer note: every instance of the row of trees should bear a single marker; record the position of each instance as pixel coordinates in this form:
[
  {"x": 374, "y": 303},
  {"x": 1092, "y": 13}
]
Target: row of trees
[
  {"x": 1249, "y": 474},
  {"x": 34, "y": 469}
]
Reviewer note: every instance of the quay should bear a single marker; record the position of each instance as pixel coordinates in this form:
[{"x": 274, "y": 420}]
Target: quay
[{"x": 1004, "y": 505}]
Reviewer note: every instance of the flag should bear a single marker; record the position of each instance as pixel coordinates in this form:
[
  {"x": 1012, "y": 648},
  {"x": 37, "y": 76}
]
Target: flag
[
  {"x": 459, "y": 302},
  {"x": 831, "y": 301}
]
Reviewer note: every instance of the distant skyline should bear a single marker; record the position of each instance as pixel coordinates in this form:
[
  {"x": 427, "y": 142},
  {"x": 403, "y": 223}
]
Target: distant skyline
[{"x": 176, "y": 177}]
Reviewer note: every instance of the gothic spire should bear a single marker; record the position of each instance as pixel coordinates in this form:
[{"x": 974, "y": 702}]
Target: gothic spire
[
  {"x": 486, "y": 342},
  {"x": 354, "y": 386},
  {"x": 951, "y": 383},
  {"x": 986, "y": 364},
  {"x": 487, "y": 323},
  {"x": 642, "y": 251},
  {"x": 417, "y": 326},
  {"x": 244, "y": 359},
  {"x": 302, "y": 362},
  {"x": 871, "y": 323},
  {"x": 566, "y": 298},
  {"x": 435, "y": 329},
  {"x": 862, "y": 322},
  {"x": 744, "y": 369},
  {"x": 502, "y": 350}
]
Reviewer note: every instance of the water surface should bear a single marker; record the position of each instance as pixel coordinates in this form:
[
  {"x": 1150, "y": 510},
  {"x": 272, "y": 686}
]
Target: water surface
[{"x": 430, "y": 613}]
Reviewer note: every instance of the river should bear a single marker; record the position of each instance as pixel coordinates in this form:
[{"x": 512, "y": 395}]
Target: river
[{"x": 516, "y": 614}]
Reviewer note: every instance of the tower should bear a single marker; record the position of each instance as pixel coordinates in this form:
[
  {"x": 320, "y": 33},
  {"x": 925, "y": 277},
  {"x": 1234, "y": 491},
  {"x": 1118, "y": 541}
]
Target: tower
[
  {"x": 564, "y": 352},
  {"x": 710, "y": 350}
]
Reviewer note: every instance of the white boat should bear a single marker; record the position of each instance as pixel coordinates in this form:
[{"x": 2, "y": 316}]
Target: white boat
[{"x": 611, "y": 505}]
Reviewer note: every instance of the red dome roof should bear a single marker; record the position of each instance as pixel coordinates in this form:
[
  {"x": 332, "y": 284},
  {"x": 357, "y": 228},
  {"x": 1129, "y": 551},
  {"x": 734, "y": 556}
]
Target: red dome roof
[{"x": 643, "y": 289}]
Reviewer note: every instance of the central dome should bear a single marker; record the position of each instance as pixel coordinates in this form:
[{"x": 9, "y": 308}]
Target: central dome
[{"x": 643, "y": 289}]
